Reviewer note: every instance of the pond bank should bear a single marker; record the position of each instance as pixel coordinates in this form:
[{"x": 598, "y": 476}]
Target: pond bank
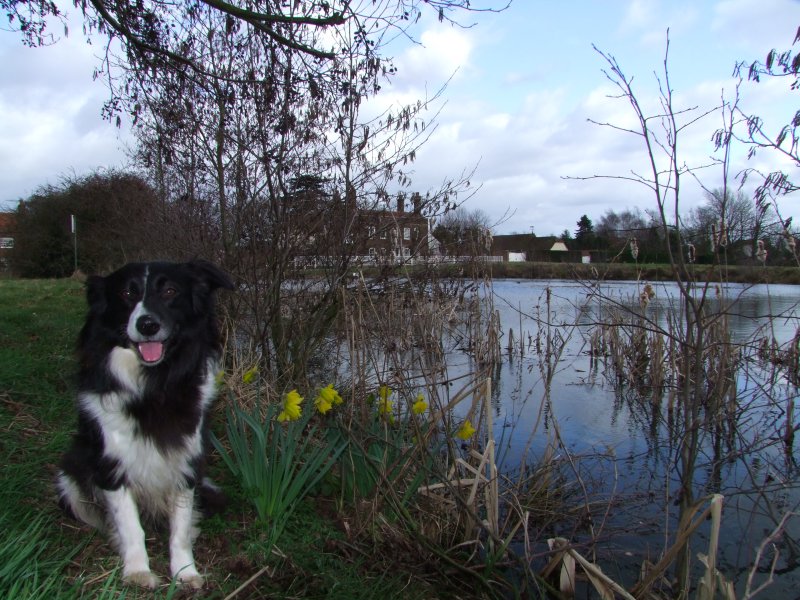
[{"x": 634, "y": 272}]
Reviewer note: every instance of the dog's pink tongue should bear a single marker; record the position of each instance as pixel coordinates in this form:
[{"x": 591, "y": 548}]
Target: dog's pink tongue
[{"x": 151, "y": 351}]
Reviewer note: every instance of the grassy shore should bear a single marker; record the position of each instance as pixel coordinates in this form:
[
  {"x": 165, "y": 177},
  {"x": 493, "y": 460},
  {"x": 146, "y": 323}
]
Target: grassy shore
[
  {"x": 46, "y": 555},
  {"x": 604, "y": 271},
  {"x": 643, "y": 272}
]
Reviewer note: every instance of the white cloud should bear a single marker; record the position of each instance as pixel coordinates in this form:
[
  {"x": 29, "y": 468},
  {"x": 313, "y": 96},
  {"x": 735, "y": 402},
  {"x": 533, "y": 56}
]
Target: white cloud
[
  {"x": 442, "y": 52},
  {"x": 757, "y": 27},
  {"x": 51, "y": 109}
]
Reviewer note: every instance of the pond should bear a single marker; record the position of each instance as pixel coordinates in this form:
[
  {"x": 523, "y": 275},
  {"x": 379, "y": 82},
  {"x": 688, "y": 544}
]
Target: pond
[{"x": 620, "y": 447}]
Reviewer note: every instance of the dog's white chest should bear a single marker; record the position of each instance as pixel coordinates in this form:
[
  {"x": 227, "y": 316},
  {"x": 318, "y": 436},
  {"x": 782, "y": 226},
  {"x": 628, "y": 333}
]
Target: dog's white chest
[
  {"x": 144, "y": 466},
  {"x": 139, "y": 460}
]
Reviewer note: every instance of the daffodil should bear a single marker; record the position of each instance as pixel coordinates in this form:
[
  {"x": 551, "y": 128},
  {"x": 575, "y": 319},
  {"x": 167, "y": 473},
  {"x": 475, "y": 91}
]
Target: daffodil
[
  {"x": 250, "y": 374},
  {"x": 384, "y": 392},
  {"x": 219, "y": 378},
  {"x": 385, "y": 409},
  {"x": 466, "y": 430},
  {"x": 420, "y": 406},
  {"x": 291, "y": 407},
  {"x": 322, "y": 404},
  {"x": 327, "y": 398}
]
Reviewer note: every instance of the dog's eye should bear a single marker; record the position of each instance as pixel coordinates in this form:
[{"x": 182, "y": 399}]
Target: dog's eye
[
  {"x": 169, "y": 292},
  {"x": 130, "y": 294}
]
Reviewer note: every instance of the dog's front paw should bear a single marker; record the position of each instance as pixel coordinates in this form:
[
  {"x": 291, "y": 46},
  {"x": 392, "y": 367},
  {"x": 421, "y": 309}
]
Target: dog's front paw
[
  {"x": 145, "y": 579},
  {"x": 191, "y": 578}
]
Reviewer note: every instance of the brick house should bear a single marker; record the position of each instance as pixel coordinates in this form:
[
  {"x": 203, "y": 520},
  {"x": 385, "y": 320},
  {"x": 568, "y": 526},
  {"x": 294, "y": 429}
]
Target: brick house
[
  {"x": 371, "y": 235},
  {"x": 393, "y": 235}
]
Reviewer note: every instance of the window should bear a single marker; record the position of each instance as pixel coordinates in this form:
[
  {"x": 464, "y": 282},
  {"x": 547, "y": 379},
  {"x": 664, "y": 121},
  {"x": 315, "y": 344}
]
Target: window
[
  {"x": 382, "y": 234},
  {"x": 371, "y": 231},
  {"x": 6, "y": 243},
  {"x": 406, "y": 233}
]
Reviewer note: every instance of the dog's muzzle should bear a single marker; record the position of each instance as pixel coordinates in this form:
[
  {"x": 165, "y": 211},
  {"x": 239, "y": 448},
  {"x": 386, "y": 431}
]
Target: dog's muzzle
[{"x": 151, "y": 351}]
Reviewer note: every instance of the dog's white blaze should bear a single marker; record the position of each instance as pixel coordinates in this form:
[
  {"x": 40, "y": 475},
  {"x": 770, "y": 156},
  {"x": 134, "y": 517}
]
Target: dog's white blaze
[{"x": 138, "y": 311}]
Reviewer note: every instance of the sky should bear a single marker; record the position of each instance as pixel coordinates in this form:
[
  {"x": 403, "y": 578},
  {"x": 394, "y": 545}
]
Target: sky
[{"x": 524, "y": 86}]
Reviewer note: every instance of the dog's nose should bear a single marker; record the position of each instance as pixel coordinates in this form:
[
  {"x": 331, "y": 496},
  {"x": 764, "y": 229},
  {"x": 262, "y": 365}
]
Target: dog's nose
[{"x": 147, "y": 325}]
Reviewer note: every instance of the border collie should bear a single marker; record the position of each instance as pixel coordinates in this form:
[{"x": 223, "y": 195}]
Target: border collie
[{"x": 148, "y": 356}]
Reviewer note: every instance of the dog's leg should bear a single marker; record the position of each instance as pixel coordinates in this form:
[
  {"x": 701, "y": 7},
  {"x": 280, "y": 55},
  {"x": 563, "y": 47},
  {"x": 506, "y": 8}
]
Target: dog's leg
[
  {"x": 129, "y": 537},
  {"x": 181, "y": 537},
  {"x": 75, "y": 503}
]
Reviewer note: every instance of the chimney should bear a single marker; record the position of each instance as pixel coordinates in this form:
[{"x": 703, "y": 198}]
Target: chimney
[
  {"x": 416, "y": 200},
  {"x": 401, "y": 203}
]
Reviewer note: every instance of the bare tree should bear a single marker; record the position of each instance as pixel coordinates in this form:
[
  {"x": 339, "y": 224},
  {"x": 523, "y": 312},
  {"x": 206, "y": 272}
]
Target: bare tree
[
  {"x": 623, "y": 225},
  {"x": 463, "y": 232},
  {"x": 697, "y": 397},
  {"x": 759, "y": 137},
  {"x": 272, "y": 148},
  {"x": 729, "y": 222},
  {"x": 148, "y": 28}
]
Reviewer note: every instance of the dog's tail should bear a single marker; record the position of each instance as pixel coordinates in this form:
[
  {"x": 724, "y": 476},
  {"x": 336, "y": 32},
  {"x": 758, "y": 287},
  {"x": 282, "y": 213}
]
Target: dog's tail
[
  {"x": 75, "y": 503},
  {"x": 210, "y": 498}
]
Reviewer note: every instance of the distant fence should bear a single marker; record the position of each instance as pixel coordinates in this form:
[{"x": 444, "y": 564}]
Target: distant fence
[{"x": 320, "y": 262}]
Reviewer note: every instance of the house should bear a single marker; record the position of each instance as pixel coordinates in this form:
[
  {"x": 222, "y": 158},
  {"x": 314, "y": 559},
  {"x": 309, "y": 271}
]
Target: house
[
  {"x": 559, "y": 251},
  {"x": 327, "y": 225},
  {"x": 7, "y": 232},
  {"x": 392, "y": 235}
]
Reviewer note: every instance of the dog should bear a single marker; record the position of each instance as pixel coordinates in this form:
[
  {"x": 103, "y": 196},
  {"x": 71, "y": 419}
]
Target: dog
[{"x": 148, "y": 356}]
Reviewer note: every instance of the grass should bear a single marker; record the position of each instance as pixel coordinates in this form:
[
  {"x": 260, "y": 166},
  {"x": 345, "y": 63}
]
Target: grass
[{"x": 46, "y": 555}]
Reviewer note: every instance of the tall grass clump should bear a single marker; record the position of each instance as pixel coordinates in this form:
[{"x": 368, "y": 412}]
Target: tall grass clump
[{"x": 27, "y": 568}]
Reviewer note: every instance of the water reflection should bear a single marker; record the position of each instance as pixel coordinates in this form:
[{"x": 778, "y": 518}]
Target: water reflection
[{"x": 625, "y": 445}]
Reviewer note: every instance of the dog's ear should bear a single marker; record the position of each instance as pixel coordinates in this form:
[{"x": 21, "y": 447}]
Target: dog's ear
[
  {"x": 213, "y": 276},
  {"x": 96, "y": 293},
  {"x": 209, "y": 278}
]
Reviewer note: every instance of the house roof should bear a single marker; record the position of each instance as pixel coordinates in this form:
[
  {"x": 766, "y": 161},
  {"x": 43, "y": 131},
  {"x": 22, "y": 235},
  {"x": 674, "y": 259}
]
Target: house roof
[{"x": 559, "y": 247}]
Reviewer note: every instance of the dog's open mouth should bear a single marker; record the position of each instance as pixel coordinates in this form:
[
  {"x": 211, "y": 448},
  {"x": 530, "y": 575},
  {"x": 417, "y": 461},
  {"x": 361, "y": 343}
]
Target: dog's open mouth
[{"x": 151, "y": 352}]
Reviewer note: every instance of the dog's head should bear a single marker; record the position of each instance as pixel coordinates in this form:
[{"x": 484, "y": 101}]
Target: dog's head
[{"x": 152, "y": 307}]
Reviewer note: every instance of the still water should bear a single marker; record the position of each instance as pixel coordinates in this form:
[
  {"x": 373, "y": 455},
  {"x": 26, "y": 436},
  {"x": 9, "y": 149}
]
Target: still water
[{"x": 620, "y": 452}]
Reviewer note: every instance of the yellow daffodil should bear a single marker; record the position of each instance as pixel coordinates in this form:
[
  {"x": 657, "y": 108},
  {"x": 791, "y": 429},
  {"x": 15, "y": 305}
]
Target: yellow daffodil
[
  {"x": 291, "y": 407},
  {"x": 466, "y": 431},
  {"x": 384, "y": 392},
  {"x": 420, "y": 406},
  {"x": 385, "y": 409},
  {"x": 250, "y": 374},
  {"x": 322, "y": 404},
  {"x": 328, "y": 397},
  {"x": 219, "y": 378}
]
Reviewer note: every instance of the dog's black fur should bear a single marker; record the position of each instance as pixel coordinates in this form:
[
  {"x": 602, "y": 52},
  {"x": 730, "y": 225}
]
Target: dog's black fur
[{"x": 148, "y": 356}]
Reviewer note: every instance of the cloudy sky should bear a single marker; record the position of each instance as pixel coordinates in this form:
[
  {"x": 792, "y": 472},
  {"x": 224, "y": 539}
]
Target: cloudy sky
[{"x": 524, "y": 85}]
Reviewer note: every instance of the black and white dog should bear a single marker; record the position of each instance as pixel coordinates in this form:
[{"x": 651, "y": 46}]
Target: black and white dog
[{"x": 148, "y": 357}]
